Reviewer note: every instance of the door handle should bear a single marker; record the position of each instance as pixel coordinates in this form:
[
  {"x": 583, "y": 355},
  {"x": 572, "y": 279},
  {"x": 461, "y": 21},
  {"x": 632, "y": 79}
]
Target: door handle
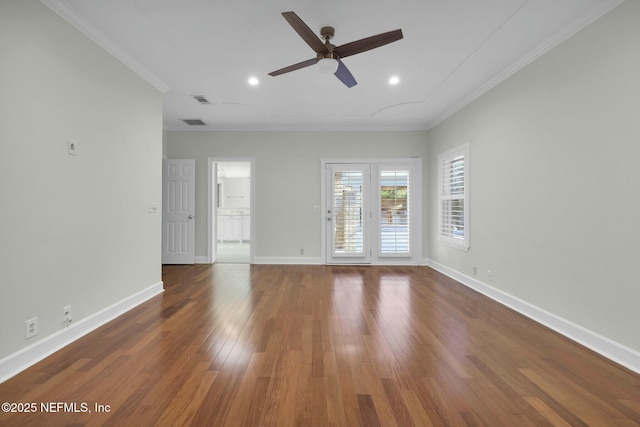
[{"x": 190, "y": 216}]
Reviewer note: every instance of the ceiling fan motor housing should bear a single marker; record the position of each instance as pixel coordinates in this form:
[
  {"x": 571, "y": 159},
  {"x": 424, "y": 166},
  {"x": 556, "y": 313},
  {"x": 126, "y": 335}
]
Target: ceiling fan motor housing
[
  {"x": 327, "y": 33},
  {"x": 329, "y": 54}
]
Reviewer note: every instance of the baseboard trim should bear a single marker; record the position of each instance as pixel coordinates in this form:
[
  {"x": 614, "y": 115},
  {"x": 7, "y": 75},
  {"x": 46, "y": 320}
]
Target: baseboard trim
[
  {"x": 287, "y": 260},
  {"x": 602, "y": 345},
  {"x": 201, "y": 260},
  {"x": 24, "y": 358}
]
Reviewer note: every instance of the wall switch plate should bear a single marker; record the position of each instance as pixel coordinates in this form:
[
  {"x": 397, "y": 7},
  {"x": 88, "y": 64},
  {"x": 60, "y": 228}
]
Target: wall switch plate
[
  {"x": 31, "y": 328},
  {"x": 72, "y": 147},
  {"x": 66, "y": 314},
  {"x": 153, "y": 207}
]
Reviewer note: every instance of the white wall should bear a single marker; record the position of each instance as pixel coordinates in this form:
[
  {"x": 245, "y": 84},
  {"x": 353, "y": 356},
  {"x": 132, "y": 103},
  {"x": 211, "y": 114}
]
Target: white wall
[
  {"x": 554, "y": 174},
  {"x": 74, "y": 230},
  {"x": 287, "y": 174}
]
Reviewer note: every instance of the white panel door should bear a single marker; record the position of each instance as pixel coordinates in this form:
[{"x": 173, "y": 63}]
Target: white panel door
[
  {"x": 178, "y": 200},
  {"x": 348, "y": 214}
]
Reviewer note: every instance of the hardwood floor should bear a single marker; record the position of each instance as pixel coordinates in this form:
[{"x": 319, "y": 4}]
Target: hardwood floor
[{"x": 240, "y": 345}]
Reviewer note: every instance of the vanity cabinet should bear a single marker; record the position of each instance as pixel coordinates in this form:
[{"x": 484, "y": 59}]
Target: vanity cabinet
[{"x": 234, "y": 228}]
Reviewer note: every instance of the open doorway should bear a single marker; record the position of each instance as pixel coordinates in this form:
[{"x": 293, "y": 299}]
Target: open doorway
[{"x": 231, "y": 205}]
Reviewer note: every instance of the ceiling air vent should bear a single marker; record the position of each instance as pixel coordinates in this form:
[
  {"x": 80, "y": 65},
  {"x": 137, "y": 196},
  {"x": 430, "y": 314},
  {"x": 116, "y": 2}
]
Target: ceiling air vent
[
  {"x": 201, "y": 99},
  {"x": 194, "y": 122}
]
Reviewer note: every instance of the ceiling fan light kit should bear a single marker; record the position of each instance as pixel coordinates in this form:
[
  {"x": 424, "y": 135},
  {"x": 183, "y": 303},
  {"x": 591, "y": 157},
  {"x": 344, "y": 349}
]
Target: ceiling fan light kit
[
  {"x": 328, "y": 65},
  {"x": 328, "y": 56}
]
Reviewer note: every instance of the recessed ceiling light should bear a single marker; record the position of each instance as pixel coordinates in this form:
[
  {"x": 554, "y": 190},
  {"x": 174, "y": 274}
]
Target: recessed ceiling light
[
  {"x": 394, "y": 80},
  {"x": 253, "y": 81}
]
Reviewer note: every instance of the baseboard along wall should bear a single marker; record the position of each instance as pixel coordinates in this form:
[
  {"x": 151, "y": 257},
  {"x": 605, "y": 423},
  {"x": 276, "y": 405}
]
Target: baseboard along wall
[
  {"x": 614, "y": 351},
  {"x": 602, "y": 345},
  {"x": 17, "y": 362}
]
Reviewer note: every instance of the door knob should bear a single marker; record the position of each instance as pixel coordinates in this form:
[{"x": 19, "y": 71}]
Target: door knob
[{"x": 190, "y": 216}]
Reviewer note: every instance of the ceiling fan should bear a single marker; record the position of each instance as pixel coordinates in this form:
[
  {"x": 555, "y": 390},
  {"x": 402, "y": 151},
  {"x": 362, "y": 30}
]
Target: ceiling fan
[{"x": 328, "y": 56}]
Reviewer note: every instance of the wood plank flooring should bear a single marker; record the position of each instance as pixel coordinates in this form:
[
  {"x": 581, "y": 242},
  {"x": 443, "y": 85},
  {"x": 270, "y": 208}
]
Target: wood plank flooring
[{"x": 241, "y": 345}]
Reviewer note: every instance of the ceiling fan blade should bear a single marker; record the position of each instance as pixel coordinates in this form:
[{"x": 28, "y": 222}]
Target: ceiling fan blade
[
  {"x": 368, "y": 43},
  {"x": 294, "y": 67},
  {"x": 345, "y": 75},
  {"x": 304, "y": 31}
]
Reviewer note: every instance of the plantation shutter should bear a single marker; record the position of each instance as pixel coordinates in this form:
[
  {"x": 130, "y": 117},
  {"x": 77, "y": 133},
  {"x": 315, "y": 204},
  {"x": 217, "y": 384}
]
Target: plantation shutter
[
  {"x": 394, "y": 212},
  {"x": 348, "y": 211},
  {"x": 453, "y": 197}
]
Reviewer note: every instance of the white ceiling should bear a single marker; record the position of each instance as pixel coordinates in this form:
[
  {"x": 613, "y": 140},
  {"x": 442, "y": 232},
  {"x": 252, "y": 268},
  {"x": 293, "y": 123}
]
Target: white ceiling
[{"x": 452, "y": 51}]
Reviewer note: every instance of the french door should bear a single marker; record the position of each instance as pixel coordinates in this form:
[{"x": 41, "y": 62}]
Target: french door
[
  {"x": 372, "y": 212},
  {"x": 348, "y": 214}
]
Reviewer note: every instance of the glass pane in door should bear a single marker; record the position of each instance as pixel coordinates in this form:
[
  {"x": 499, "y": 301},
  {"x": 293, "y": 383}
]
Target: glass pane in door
[
  {"x": 348, "y": 210},
  {"x": 394, "y": 212}
]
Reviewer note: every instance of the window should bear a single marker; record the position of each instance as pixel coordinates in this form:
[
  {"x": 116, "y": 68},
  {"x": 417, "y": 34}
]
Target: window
[
  {"x": 394, "y": 212},
  {"x": 348, "y": 204},
  {"x": 453, "y": 197}
]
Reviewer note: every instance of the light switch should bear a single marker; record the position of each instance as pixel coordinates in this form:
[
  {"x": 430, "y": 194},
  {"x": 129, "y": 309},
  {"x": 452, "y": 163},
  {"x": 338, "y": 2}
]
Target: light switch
[
  {"x": 72, "y": 147},
  {"x": 153, "y": 207}
]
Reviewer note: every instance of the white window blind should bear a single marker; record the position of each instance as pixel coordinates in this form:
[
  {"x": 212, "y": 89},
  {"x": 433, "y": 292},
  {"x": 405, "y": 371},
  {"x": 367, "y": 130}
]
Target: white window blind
[
  {"x": 453, "y": 197},
  {"x": 348, "y": 210},
  {"x": 394, "y": 212}
]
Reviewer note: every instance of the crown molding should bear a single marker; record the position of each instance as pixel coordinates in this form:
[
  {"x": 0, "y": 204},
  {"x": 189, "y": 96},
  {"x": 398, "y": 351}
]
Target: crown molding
[
  {"x": 105, "y": 42},
  {"x": 579, "y": 24}
]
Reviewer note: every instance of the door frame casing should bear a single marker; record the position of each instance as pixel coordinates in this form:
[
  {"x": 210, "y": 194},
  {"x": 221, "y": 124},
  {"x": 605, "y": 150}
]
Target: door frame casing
[
  {"x": 211, "y": 209},
  {"x": 416, "y": 206}
]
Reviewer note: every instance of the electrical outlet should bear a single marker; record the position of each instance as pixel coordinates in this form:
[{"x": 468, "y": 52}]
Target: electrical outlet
[
  {"x": 475, "y": 271},
  {"x": 301, "y": 251},
  {"x": 66, "y": 314},
  {"x": 31, "y": 328},
  {"x": 489, "y": 275}
]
